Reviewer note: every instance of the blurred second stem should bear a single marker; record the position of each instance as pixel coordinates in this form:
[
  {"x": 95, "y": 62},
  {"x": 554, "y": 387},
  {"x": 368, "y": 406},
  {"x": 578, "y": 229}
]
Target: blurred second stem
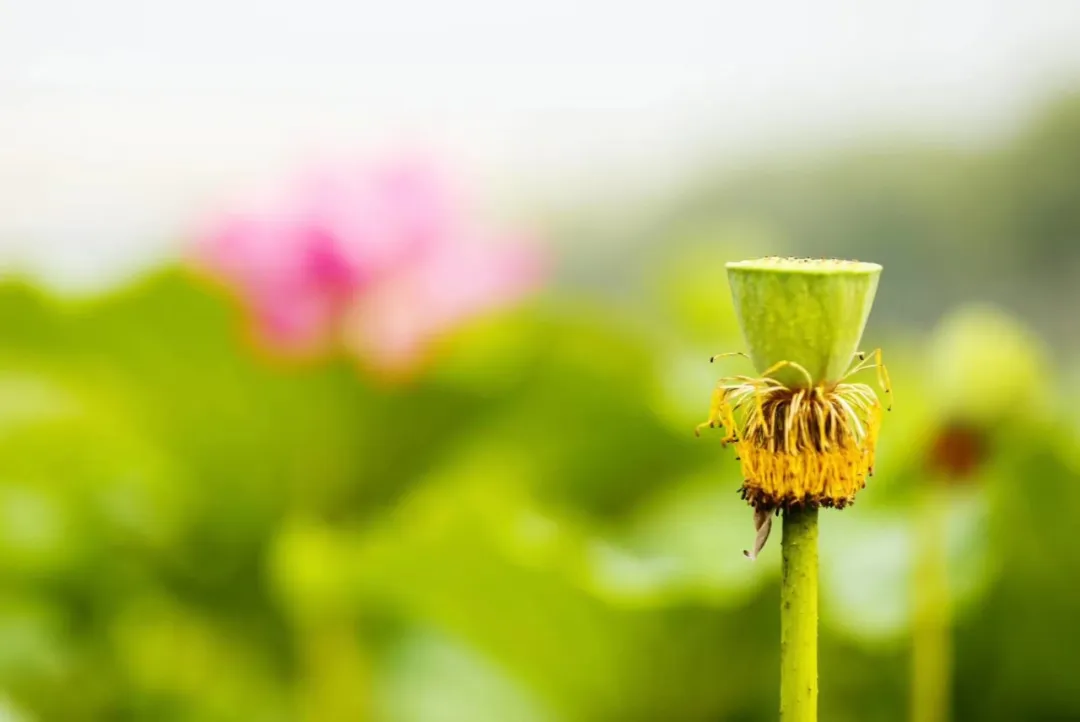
[{"x": 931, "y": 654}]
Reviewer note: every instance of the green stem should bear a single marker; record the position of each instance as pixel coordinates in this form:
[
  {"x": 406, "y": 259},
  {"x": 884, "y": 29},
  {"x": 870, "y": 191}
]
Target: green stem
[
  {"x": 799, "y": 617},
  {"x": 931, "y": 654}
]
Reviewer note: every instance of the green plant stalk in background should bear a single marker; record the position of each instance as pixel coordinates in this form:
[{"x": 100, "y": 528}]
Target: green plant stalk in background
[
  {"x": 799, "y": 616},
  {"x": 931, "y": 654},
  {"x": 973, "y": 399}
]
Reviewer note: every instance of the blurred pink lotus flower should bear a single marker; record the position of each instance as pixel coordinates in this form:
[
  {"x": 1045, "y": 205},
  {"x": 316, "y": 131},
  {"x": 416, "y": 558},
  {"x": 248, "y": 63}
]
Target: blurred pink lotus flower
[{"x": 382, "y": 260}]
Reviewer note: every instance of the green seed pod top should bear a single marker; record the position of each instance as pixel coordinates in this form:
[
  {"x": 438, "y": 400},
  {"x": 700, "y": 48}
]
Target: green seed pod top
[{"x": 806, "y": 311}]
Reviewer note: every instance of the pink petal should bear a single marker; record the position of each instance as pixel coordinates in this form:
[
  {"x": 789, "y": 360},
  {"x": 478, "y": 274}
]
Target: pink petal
[
  {"x": 395, "y": 325},
  {"x": 380, "y": 256}
]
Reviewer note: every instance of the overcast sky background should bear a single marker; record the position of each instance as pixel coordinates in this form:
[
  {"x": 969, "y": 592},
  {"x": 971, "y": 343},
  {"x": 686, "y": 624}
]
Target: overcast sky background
[{"x": 121, "y": 119}]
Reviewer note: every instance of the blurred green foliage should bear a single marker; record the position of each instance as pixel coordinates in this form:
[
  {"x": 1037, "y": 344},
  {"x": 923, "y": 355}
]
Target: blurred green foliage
[
  {"x": 530, "y": 532},
  {"x": 993, "y": 219}
]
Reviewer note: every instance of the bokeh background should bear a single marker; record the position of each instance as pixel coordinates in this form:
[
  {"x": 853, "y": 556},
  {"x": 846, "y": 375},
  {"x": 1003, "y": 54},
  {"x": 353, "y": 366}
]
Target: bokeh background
[{"x": 459, "y": 483}]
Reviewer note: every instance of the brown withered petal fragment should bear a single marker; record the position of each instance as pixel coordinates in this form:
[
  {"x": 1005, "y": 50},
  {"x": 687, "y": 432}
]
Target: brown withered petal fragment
[{"x": 762, "y": 527}]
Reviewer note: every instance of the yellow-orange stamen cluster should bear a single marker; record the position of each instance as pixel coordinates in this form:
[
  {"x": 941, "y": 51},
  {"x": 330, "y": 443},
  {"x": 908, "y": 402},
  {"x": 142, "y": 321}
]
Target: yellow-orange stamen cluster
[{"x": 799, "y": 446}]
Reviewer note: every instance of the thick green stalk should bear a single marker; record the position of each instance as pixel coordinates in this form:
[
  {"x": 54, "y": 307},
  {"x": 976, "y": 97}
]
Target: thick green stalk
[
  {"x": 799, "y": 617},
  {"x": 931, "y": 658}
]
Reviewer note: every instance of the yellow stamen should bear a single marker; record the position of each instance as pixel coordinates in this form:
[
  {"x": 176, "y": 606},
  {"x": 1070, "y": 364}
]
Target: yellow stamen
[{"x": 800, "y": 447}]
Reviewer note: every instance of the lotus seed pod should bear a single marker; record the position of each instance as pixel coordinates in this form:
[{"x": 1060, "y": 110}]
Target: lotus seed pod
[
  {"x": 805, "y": 436},
  {"x": 803, "y": 311},
  {"x": 985, "y": 365}
]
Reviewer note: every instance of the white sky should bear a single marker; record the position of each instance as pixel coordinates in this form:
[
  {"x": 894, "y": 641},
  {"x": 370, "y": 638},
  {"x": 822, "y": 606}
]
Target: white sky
[{"x": 119, "y": 119}]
